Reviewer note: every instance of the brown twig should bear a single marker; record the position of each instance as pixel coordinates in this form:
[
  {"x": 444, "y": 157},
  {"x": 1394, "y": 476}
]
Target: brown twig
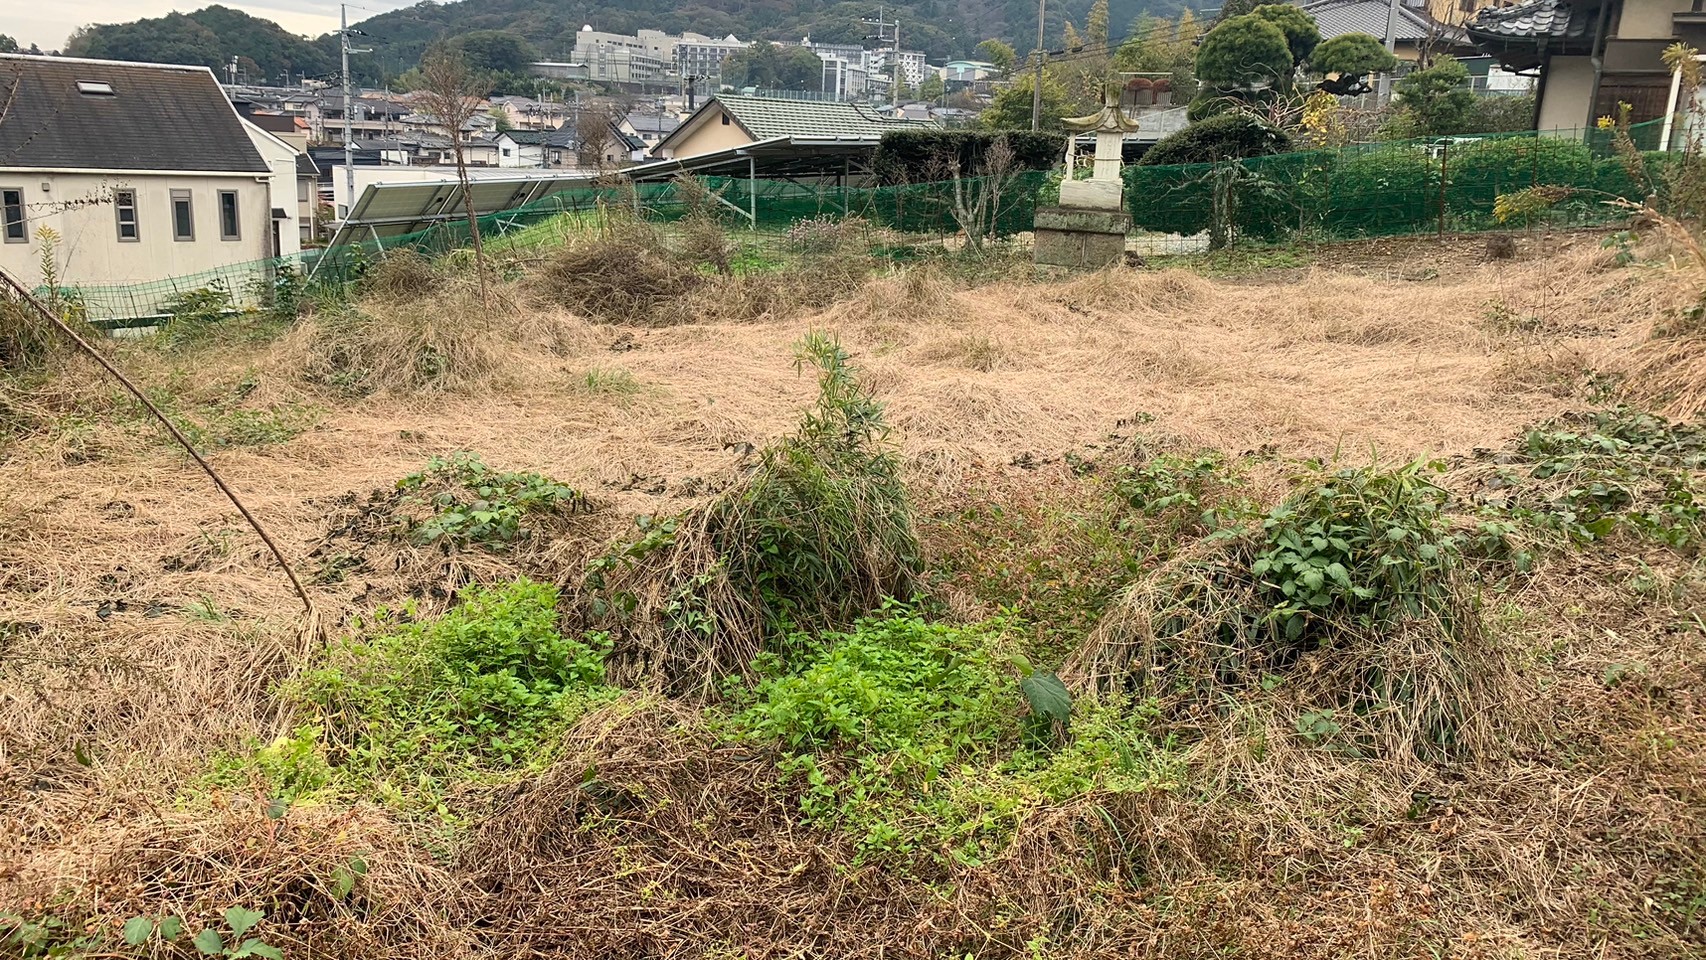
[{"x": 172, "y": 428}]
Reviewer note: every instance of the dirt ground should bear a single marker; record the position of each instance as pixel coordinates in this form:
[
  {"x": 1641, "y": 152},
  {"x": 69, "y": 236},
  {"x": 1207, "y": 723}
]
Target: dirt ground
[{"x": 141, "y": 622}]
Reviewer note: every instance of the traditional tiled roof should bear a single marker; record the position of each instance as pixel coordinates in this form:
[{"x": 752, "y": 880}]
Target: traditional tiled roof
[
  {"x": 1338, "y": 17},
  {"x": 1521, "y": 35},
  {"x": 67, "y": 113},
  {"x": 765, "y": 117}
]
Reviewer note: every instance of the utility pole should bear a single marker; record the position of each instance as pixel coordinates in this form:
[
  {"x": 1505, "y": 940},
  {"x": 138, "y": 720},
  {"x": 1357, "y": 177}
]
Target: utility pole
[
  {"x": 1037, "y": 79},
  {"x": 883, "y": 25},
  {"x": 344, "y": 33}
]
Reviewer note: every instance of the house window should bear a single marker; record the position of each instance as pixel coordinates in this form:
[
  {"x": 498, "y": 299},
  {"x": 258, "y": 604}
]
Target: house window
[
  {"x": 725, "y": 119},
  {"x": 124, "y": 203},
  {"x": 302, "y": 191},
  {"x": 183, "y": 219},
  {"x": 12, "y": 214},
  {"x": 228, "y": 215}
]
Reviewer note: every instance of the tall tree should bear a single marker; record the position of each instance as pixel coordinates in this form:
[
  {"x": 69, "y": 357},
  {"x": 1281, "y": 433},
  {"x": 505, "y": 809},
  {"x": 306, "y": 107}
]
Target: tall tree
[
  {"x": 451, "y": 95},
  {"x": 7, "y": 44},
  {"x": 998, "y": 52},
  {"x": 1096, "y": 25}
]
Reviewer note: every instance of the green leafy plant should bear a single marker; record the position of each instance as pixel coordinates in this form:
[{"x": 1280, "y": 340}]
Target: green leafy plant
[
  {"x": 488, "y": 683},
  {"x": 472, "y": 503},
  {"x": 817, "y": 533},
  {"x": 230, "y": 942}
]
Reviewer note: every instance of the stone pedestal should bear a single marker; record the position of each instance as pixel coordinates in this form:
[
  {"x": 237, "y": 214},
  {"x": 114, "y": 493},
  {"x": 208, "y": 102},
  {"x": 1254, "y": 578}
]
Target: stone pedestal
[{"x": 1077, "y": 237}]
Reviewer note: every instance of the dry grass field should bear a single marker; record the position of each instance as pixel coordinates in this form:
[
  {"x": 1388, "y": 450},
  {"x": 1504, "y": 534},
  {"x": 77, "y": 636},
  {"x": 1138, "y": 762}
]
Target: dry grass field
[{"x": 150, "y": 650}]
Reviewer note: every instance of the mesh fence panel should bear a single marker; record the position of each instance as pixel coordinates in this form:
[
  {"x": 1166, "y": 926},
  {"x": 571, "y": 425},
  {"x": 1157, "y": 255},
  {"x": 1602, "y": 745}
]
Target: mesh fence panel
[{"x": 1382, "y": 189}]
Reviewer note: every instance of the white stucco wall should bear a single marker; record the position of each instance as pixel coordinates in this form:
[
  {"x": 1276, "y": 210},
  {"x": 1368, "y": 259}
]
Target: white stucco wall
[
  {"x": 78, "y": 206},
  {"x": 1568, "y": 94},
  {"x": 281, "y": 159}
]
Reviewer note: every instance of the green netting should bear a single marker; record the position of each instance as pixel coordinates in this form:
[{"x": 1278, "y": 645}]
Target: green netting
[
  {"x": 1386, "y": 189},
  {"x": 1379, "y": 189}
]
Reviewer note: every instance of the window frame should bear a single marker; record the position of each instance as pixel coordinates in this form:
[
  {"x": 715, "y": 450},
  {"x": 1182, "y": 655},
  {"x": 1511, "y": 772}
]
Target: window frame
[
  {"x": 23, "y": 222},
  {"x": 187, "y": 198},
  {"x": 236, "y": 233},
  {"x": 135, "y": 224}
]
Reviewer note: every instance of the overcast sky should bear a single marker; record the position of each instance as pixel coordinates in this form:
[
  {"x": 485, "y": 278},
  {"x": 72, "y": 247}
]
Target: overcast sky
[{"x": 47, "y": 23}]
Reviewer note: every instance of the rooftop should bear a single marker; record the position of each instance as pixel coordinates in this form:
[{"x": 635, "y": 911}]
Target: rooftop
[
  {"x": 765, "y": 118},
  {"x": 67, "y": 113}
]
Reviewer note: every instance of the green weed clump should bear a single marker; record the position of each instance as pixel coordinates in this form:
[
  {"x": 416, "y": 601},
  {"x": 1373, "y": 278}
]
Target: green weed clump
[
  {"x": 818, "y": 533},
  {"x": 469, "y": 503},
  {"x": 921, "y": 739},
  {"x": 1587, "y": 477},
  {"x": 487, "y": 685},
  {"x": 1345, "y": 602}
]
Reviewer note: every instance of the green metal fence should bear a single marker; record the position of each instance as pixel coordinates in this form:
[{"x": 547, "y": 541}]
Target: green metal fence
[
  {"x": 1443, "y": 184},
  {"x": 917, "y": 212},
  {"x": 1382, "y": 189}
]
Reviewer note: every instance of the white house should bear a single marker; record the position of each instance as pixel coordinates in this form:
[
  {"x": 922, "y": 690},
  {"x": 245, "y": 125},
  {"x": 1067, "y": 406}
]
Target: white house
[
  {"x": 144, "y": 172},
  {"x": 288, "y": 191}
]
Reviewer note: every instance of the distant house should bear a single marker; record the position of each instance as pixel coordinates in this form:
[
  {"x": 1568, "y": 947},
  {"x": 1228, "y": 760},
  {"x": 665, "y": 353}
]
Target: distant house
[
  {"x": 649, "y": 127},
  {"x": 1591, "y": 54},
  {"x": 143, "y": 171},
  {"x": 727, "y": 122},
  {"x": 290, "y": 182}
]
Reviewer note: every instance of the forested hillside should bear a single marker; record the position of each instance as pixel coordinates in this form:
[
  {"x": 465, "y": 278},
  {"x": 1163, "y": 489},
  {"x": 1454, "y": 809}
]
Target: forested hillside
[{"x": 941, "y": 28}]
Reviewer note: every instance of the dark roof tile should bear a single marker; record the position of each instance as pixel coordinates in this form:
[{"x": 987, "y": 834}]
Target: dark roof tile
[{"x": 156, "y": 118}]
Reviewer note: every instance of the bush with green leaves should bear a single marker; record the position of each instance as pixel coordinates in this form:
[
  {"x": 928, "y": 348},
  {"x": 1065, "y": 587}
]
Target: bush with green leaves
[
  {"x": 489, "y": 683},
  {"x": 1377, "y": 191},
  {"x": 1229, "y": 136},
  {"x": 1348, "y": 598},
  {"x": 1589, "y": 476},
  {"x": 1479, "y": 171},
  {"x": 927, "y": 739},
  {"x": 817, "y": 533},
  {"x": 1438, "y": 100},
  {"x": 1347, "y": 59},
  {"x": 920, "y": 156},
  {"x": 473, "y": 504},
  {"x": 231, "y": 942}
]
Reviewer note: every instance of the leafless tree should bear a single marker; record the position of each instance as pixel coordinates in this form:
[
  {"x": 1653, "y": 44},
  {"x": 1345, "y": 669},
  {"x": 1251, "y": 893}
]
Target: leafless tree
[
  {"x": 452, "y": 94},
  {"x": 977, "y": 197},
  {"x": 595, "y": 134}
]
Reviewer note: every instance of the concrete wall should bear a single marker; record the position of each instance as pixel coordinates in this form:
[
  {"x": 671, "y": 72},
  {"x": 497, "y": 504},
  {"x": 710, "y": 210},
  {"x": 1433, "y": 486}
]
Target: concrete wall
[
  {"x": 1568, "y": 94},
  {"x": 1650, "y": 19},
  {"x": 90, "y": 253}
]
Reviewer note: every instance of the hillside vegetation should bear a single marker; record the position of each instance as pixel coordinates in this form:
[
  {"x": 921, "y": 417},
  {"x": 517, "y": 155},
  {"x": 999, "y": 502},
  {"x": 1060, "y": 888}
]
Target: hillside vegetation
[{"x": 1310, "y": 603}]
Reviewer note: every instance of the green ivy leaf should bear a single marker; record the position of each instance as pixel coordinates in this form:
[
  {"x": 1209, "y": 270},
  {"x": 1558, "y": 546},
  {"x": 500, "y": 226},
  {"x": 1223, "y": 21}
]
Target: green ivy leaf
[
  {"x": 171, "y": 927},
  {"x": 138, "y": 929},
  {"x": 1047, "y": 696},
  {"x": 241, "y": 921},
  {"x": 209, "y": 941},
  {"x": 255, "y": 948}
]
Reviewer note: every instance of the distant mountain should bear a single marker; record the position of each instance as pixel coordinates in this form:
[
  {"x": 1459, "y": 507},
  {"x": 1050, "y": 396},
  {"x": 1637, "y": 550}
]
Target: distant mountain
[
  {"x": 943, "y": 29},
  {"x": 211, "y": 37}
]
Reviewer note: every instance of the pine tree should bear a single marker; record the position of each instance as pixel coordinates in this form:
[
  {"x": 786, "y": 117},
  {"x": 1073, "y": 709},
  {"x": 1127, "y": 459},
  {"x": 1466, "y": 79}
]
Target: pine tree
[{"x": 1097, "y": 25}]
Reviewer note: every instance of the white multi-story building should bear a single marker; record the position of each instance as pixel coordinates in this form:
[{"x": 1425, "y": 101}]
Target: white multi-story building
[
  {"x": 646, "y": 56},
  {"x": 697, "y": 55},
  {"x": 843, "y": 78}
]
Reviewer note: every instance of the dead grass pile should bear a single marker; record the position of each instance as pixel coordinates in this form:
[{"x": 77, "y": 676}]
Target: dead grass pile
[
  {"x": 652, "y": 837},
  {"x": 1346, "y": 604},
  {"x": 817, "y": 533},
  {"x": 626, "y": 277},
  {"x": 331, "y": 882},
  {"x": 402, "y": 274},
  {"x": 1667, "y": 372},
  {"x": 27, "y": 342},
  {"x": 448, "y": 342}
]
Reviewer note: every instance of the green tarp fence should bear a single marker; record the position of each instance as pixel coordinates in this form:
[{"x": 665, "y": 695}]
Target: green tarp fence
[
  {"x": 1379, "y": 189},
  {"x": 1388, "y": 189}
]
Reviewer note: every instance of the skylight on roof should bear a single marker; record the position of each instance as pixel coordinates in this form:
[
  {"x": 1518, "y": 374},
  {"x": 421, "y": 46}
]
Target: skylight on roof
[{"x": 96, "y": 88}]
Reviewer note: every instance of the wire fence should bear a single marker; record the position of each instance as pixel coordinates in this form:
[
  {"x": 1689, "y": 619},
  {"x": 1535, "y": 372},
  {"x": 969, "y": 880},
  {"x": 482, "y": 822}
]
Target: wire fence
[
  {"x": 775, "y": 211},
  {"x": 1439, "y": 185}
]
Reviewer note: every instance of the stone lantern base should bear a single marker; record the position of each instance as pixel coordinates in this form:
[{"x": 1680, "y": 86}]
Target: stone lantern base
[{"x": 1080, "y": 237}]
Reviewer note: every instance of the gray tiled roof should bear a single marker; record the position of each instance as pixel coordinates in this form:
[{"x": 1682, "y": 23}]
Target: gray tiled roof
[
  {"x": 1534, "y": 19},
  {"x": 766, "y": 117},
  {"x": 1338, "y": 17},
  {"x": 157, "y": 118}
]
